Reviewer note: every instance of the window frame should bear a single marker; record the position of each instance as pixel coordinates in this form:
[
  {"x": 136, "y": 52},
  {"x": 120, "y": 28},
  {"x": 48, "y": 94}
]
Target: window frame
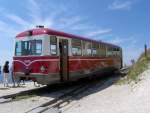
[
  {"x": 95, "y": 46},
  {"x": 53, "y": 43},
  {"x": 76, "y": 44},
  {"x": 87, "y": 45},
  {"x": 16, "y": 46},
  {"x": 26, "y": 47}
]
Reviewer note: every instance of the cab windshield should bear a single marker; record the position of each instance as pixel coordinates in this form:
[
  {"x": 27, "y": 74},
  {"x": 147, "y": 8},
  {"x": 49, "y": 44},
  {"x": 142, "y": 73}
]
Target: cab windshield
[{"x": 30, "y": 47}]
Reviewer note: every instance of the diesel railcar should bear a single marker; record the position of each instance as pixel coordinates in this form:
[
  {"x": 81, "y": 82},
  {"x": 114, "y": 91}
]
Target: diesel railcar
[{"x": 48, "y": 56}]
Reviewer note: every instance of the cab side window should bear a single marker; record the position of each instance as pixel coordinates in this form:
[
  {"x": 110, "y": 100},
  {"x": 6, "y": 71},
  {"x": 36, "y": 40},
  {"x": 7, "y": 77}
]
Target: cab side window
[
  {"x": 18, "y": 48},
  {"x": 53, "y": 45}
]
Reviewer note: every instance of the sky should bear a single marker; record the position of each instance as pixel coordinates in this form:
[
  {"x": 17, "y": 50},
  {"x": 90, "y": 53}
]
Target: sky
[{"x": 122, "y": 22}]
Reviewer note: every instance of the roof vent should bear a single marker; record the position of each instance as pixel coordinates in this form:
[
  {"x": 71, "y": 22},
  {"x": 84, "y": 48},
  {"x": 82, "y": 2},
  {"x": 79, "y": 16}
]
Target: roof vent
[{"x": 39, "y": 26}]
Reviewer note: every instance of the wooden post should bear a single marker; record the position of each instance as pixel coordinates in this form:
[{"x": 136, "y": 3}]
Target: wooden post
[{"x": 145, "y": 50}]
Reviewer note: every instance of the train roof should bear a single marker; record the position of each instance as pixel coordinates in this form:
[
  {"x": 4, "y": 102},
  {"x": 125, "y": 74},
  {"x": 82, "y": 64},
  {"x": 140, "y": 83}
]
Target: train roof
[{"x": 40, "y": 31}]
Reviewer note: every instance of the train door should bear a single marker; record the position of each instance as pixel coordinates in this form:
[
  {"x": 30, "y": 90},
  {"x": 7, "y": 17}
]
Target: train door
[{"x": 63, "y": 50}]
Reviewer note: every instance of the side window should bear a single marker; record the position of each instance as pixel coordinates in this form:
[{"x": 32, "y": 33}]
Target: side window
[
  {"x": 18, "y": 48},
  {"x": 114, "y": 51},
  {"x": 84, "y": 48},
  {"x": 117, "y": 51},
  {"x": 38, "y": 47},
  {"x": 102, "y": 50},
  {"x": 87, "y": 50},
  {"x": 109, "y": 51},
  {"x": 120, "y": 52},
  {"x": 53, "y": 45},
  {"x": 95, "y": 47},
  {"x": 76, "y": 47}
]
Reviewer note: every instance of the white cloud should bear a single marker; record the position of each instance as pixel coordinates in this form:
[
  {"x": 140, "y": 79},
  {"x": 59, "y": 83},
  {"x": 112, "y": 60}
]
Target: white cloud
[
  {"x": 6, "y": 30},
  {"x": 80, "y": 27},
  {"x": 17, "y": 19},
  {"x": 119, "y": 41},
  {"x": 98, "y": 32},
  {"x": 34, "y": 10},
  {"x": 69, "y": 22},
  {"x": 121, "y": 5}
]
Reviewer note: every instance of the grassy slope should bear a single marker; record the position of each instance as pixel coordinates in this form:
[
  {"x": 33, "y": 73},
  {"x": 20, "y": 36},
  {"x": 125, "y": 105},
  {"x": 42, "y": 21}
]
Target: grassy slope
[{"x": 139, "y": 67}]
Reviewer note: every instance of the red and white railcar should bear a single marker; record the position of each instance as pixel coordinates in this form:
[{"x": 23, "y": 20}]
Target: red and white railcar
[{"x": 48, "y": 56}]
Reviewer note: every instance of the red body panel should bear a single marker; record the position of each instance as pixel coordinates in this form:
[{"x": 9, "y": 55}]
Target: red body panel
[{"x": 33, "y": 64}]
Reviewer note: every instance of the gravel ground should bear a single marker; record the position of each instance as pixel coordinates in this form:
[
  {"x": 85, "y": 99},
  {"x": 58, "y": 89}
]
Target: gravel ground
[{"x": 105, "y": 98}]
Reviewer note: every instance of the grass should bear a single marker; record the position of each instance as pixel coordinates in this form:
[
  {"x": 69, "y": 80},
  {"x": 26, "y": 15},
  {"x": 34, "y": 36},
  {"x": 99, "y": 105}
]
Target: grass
[{"x": 139, "y": 67}]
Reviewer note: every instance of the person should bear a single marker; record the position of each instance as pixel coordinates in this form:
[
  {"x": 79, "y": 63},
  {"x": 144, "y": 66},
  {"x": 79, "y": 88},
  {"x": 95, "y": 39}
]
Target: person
[{"x": 6, "y": 73}]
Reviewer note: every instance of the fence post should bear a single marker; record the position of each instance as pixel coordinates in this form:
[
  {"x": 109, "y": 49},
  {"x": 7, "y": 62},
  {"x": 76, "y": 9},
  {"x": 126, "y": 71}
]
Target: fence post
[{"x": 145, "y": 50}]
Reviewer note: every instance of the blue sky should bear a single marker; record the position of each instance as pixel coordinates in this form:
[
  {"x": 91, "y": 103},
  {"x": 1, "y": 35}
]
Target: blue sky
[{"x": 122, "y": 22}]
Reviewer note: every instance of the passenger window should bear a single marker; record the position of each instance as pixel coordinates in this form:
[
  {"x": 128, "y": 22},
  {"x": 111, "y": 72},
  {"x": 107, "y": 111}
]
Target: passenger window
[
  {"x": 76, "y": 47},
  {"x": 53, "y": 45},
  {"x": 95, "y": 47},
  {"x": 102, "y": 50},
  {"x": 114, "y": 51},
  {"x": 109, "y": 51},
  {"x": 117, "y": 51},
  {"x": 87, "y": 51}
]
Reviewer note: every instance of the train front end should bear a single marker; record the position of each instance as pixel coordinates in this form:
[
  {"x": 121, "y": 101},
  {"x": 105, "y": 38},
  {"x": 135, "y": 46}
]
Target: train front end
[{"x": 32, "y": 60}]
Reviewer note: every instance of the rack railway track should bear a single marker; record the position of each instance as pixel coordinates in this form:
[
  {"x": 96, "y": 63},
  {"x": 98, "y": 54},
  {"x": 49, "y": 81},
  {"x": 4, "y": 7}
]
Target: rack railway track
[
  {"x": 37, "y": 91},
  {"x": 55, "y": 105}
]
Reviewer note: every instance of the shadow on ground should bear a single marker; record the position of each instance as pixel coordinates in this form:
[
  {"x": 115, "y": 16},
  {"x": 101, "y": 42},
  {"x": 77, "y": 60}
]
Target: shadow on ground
[{"x": 96, "y": 84}]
